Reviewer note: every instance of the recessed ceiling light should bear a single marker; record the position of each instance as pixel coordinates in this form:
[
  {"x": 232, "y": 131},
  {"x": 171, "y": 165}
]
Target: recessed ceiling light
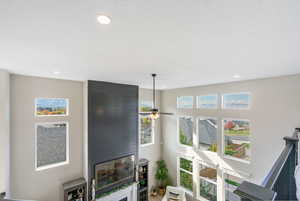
[
  {"x": 56, "y": 72},
  {"x": 236, "y": 76},
  {"x": 103, "y": 19}
]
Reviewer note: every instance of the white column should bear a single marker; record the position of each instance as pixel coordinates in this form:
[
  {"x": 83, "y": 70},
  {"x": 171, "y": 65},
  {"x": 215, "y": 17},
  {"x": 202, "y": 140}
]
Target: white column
[
  {"x": 85, "y": 134},
  {"x": 4, "y": 132}
]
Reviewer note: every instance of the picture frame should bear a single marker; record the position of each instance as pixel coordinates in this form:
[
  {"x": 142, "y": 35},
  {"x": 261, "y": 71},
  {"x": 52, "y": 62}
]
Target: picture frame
[{"x": 54, "y": 107}]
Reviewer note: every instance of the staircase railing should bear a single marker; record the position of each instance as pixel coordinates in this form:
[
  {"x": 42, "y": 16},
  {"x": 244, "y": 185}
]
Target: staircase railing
[{"x": 279, "y": 184}]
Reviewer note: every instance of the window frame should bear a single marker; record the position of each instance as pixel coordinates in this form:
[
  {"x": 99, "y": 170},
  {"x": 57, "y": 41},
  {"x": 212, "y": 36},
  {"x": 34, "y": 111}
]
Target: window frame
[
  {"x": 232, "y": 173},
  {"x": 186, "y": 171},
  {"x": 67, "y": 161},
  {"x": 178, "y": 131},
  {"x": 199, "y": 163},
  {"x": 198, "y": 133},
  {"x": 237, "y": 93},
  {"x": 224, "y": 144},
  {"x": 152, "y": 132},
  {"x": 177, "y": 103},
  {"x": 214, "y": 108}
]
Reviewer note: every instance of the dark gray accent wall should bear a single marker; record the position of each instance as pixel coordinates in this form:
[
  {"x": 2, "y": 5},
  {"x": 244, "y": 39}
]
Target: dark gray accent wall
[{"x": 112, "y": 122}]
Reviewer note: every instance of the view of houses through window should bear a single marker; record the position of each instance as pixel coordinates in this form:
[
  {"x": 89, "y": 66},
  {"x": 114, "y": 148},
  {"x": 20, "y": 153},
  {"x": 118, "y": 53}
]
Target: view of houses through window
[
  {"x": 146, "y": 124},
  {"x": 235, "y": 145},
  {"x": 146, "y": 131},
  {"x": 186, "y": 173},
  {"x": 207, "y": 132},
  {"x": 208, "y": 182},
  {"x": 186, "y": 127},
  {"x": 237, "y": 139}
]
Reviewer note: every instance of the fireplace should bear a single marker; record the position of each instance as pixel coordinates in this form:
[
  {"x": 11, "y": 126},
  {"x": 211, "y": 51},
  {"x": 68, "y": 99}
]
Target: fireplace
[{"x": 114, "y": 173}]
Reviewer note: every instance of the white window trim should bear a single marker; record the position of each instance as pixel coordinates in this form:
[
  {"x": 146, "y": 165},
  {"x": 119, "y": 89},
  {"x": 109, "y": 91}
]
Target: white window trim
[
  {"x": 198, "y": 133},
  {"x": 178, "y": 132},
  {"x": 214, "y": 108},
  {"x": 67, "y": 147},
  {"x": 207, "y": 180},
  {"x": 177, "y": 103},
  {"x": 57, "y": 115},
  {"x": 238, "y": 93},
  {"x": 223, "y": 141},
  {"x": 152, "y": 133},
  {"x": 180, "y": 169}
]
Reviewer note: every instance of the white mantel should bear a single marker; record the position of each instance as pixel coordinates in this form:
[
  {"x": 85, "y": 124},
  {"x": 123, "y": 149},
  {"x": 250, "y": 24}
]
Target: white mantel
[{"x": 129, "y": 192}]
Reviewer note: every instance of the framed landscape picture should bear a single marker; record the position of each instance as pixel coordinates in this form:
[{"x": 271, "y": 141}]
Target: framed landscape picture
[
  {"x": 236, "y": 136},
  {"x": 239, "y": 101},
  {"x": 207, "y": 101},
  {"x": 51, "y": 107}
]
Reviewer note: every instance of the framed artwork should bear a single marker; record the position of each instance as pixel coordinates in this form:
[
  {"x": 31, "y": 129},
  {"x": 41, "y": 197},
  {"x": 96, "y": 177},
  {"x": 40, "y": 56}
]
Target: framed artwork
[
  {"x": 207, "y": 101},
  {"x": 236, "y": 136},
  {"x": 52, "y": 145},
  {"x": 239, "y": 101},
  {"x": 185, "y": 102},
  {"x": 51, "y": 107}
]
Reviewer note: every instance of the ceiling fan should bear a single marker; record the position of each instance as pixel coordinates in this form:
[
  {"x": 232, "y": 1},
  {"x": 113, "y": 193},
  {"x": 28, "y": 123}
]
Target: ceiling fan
[{"x": 154, "y": 112}]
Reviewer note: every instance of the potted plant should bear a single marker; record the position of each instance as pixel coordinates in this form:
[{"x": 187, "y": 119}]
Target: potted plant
[{"x": 162, "y": 176}]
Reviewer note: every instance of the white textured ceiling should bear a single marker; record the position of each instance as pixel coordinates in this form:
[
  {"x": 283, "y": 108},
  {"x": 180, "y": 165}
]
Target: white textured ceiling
[{"x": 187, "y": 42}]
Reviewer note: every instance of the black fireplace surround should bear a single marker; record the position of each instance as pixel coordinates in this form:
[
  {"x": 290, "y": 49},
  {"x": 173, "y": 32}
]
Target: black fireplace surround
[{"x": 112, "y": 132}]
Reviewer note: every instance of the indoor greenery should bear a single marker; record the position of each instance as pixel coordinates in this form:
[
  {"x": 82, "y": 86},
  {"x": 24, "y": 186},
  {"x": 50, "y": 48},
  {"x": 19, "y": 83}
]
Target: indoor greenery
[{"x": 161, "y": 173}]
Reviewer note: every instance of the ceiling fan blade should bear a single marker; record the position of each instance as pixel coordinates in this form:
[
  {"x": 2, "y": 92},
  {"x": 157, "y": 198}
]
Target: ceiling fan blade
[
  {"x": 166, "y": 113},
  {"x": 145, "y": 113}
]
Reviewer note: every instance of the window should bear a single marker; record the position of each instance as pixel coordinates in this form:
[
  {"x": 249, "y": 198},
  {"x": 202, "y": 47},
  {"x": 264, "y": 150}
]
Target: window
[
  {"x": 186, "y": 174},
  {"x": 51, "y": 107},
  {"x": 52, "y": 145},
  {"x": 185, "y": 130},
  {"x": 207, "y": 101},
  {"x": 236, "y": 134},
  {"x": 146, "y": 106},
  {"x": 185, "y": 102},
  {"x": 239, "y": 101},
  {"x": 207, "y": 134},
  {"x": 146, "y": 131},
  {"x": 231, "y": 184},
  {"x": 208, "y": 182}
]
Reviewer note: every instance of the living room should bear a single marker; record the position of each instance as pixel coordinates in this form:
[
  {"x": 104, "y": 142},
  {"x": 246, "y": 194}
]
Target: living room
[{"x": 209, "y": 110}]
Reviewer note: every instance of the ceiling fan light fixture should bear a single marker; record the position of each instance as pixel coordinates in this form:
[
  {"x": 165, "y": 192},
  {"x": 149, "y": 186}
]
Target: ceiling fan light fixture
[
  {"x": 154, "y": 112},
  {"x": 154, "y": 115}
]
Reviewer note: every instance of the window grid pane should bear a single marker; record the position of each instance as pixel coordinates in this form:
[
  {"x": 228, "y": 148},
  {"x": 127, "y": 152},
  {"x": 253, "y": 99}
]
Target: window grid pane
[
  {"x": 146, "y": 130},
  {"x": 51, "y": 144},
  {"x": 186, "y": 127}
]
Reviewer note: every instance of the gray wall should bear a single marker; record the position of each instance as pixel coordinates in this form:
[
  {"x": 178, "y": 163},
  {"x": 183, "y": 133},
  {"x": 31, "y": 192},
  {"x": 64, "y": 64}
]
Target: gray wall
[
  {"x": 43, "y": 185},
  {"x": 4, "y": 131},
  {"x": 151, "y": 152},
  {"x": 274, "y": 113}
]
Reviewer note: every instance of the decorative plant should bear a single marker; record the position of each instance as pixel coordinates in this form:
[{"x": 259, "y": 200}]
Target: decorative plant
[{"x": 161, "y": 173}]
